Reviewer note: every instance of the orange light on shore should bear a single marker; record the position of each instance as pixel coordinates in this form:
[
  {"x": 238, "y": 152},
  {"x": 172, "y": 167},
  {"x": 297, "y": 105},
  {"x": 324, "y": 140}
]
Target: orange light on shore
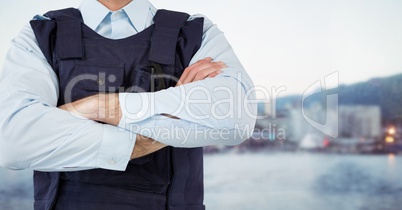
[
  {"x": 389, "y": 139},
  {"x": 391, "y": 131}
]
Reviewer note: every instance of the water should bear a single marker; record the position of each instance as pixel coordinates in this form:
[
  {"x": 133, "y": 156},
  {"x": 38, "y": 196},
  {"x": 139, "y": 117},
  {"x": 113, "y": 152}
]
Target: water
[
  {"x": 16, "y": 190},
  {"x": 274, "y": 182},
  {"x": 303, "y": 182}
]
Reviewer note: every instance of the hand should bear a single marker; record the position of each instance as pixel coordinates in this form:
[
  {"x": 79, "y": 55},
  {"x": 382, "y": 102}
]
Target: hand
[
  {"x": 101, "y": 107},
  {"x": 200, "y": 70}
]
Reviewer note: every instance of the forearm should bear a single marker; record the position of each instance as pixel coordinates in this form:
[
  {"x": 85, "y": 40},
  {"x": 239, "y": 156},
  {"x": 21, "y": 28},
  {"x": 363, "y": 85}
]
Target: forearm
[{"x": 180, "y": 133}]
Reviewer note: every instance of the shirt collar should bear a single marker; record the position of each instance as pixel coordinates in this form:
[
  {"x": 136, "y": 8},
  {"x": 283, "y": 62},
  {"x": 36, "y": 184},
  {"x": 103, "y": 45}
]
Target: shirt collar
[
  {"x": 93, "y": 13},
  {"x": 138, "y": 11}
]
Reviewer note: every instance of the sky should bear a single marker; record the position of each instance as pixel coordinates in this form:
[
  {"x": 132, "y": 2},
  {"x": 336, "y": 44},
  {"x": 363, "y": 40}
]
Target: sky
[{"x": 283, "y": 44}]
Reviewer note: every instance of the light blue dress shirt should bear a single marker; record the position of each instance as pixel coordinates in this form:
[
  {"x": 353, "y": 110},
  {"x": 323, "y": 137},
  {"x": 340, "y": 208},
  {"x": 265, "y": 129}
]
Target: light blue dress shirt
[{"x": 35, "y": 134}]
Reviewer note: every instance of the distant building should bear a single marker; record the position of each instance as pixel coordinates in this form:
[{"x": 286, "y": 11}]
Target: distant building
[
  {"x": 296, "y": 124},
  {"x": 261, "y": 108},
  {"x": 360, "y": 121},
  {"x": 265, "y": 109},
  {"x": 354, "y": 121}
]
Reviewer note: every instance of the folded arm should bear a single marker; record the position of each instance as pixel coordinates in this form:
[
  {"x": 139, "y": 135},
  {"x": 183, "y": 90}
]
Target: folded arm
[{"x": 106, "y": 107}]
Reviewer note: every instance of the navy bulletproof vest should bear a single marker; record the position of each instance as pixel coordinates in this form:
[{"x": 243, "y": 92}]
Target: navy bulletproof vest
[{"x": 87, "y": 64}]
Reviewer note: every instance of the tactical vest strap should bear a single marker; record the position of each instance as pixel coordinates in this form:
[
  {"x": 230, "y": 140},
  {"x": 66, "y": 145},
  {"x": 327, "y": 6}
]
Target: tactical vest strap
[
  {"x": 69, "y": 31},
  {"x": 164, "y": 39},
  {"x": 73, "y": 37},
  {"x": 45, "y": 35}
]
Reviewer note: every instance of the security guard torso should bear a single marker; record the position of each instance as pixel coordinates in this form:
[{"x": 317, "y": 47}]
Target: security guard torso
[{"x": 87, "y": 64}]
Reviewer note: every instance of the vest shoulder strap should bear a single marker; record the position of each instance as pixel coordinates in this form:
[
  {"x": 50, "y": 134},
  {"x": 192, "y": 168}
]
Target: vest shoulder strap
[
  {"x": 45, "y": 33},
  {"x": 164, "y": 38},
  {"x": 69, "y": 31},
  {"x": 64, "y": 26},
  {"x": 67, "y": 14}
]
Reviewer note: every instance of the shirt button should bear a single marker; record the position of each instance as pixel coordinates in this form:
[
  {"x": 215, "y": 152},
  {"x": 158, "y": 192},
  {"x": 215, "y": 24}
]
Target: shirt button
[{"x": 112, "y": 162}]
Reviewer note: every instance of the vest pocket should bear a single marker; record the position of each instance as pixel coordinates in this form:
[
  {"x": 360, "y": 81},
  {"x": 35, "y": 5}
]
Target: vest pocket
[
  {"x": 148, "y": 79},
  {"x": 143, "y": 80}
]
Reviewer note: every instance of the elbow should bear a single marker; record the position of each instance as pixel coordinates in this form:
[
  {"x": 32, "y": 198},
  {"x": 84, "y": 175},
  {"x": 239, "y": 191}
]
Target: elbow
[
  {"x": 241, "y": 131},
  {"x": 243, "y": 110},
  {"x": 241, "y": 117},
  {"x": 11, "y": 149},
  {"x": 10, "y": 158},
  {"x": 14, "y": 150},
  {"x": 243, "y": 125}
]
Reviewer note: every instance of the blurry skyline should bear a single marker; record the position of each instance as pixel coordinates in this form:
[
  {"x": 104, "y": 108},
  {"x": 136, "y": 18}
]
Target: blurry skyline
[{"x": 290, "y": 43}]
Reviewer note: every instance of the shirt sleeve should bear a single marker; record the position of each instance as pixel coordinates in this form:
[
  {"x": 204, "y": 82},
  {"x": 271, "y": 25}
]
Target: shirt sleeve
[
  {"x": 35, "y": 134},
  {"x": 223, "y": 105}
]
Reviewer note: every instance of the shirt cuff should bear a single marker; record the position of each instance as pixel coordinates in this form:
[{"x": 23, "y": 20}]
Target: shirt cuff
[
  {"x": 116, "y": 148},
  {"x": 136, "y": 107}
]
